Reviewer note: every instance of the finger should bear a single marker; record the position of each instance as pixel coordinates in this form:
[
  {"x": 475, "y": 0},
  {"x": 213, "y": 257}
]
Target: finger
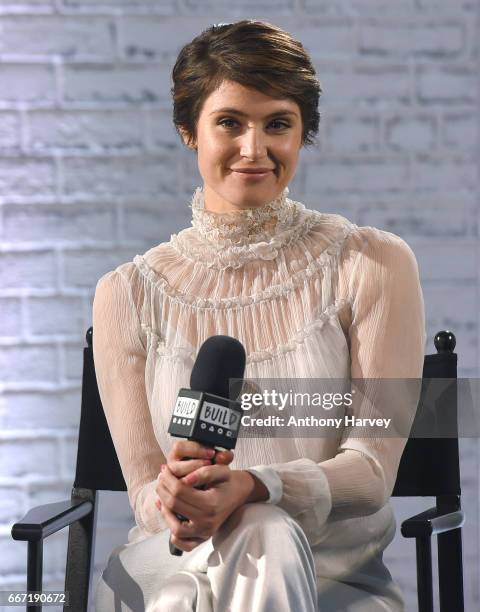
[
  {"x": 186, "y": 530},
  {"x": 173, "y": 504},
  {"x": 177, "y": 528},
  {"x": 224, "y": 457},
  {"x": 189, "y": 448},
  {"x": 208, "y": 475},
  {"x": 182, "y": 468},
  {"x": 179, "y": 496}
]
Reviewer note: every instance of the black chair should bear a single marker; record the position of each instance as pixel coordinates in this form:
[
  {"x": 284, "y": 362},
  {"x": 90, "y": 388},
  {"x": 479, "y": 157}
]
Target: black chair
[{"x": 429, "y": 467}]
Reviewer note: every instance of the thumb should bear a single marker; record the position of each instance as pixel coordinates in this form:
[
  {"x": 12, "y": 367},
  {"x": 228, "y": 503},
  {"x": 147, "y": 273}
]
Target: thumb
[{"x": 208, "y": 475}]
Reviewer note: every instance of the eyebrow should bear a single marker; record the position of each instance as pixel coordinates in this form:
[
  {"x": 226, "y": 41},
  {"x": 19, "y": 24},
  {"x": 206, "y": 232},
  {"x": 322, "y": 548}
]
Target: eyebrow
[{"x": 241, "y": 114}]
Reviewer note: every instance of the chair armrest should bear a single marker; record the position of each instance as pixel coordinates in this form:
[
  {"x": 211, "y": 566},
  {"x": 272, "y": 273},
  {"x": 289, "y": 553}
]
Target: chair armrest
[
  {"x": 42, "y": 521},
  {"x": 432, "y": 522}
]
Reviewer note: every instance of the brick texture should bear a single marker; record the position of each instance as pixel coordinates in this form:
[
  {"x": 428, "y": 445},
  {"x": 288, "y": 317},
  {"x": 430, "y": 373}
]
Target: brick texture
[{"x": 92, "y": 172}]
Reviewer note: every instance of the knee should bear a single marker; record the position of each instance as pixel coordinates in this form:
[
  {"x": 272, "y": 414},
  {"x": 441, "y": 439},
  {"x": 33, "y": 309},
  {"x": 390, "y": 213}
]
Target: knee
[
  {"x": 261, "y": 516},
  {"x": 258, "y": 522},
  {"x": 263, "y": 541},
  {"x": 178, "y": 594}
]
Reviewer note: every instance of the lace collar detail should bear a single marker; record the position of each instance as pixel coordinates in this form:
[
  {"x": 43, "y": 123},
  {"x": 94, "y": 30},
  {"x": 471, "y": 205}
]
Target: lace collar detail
[
  {"x": 242, "y": 227},
  {"x": 231, "y": 239}
]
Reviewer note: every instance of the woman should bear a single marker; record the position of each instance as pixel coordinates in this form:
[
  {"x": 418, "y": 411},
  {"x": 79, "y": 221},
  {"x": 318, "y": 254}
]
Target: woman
[{"x": 286, "y": 523}]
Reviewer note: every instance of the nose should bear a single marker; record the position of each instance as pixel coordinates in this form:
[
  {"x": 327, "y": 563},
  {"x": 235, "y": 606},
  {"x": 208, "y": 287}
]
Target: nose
[{"x": 253, "y": 143}]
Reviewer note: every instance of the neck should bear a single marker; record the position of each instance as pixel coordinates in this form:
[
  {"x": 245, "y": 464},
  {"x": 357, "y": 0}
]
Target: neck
[
  {"x": 242, "y": 225},
  {"x": 212, "y": 202}
]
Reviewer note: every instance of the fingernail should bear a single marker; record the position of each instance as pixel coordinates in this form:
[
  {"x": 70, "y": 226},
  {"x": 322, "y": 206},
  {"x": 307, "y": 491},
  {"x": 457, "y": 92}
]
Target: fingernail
[
  {"x": 163, "y": 468},
  {"x": 211, "y": 452}
]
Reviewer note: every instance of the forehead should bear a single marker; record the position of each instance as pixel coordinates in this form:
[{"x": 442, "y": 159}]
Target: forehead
[{"x": 237, "y": 96}]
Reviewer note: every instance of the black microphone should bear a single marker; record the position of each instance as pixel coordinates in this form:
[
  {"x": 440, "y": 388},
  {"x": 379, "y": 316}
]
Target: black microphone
[{"x": 209, "y": 412}]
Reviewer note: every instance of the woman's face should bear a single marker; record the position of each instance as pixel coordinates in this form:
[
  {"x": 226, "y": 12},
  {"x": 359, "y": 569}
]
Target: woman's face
[{"x": 263, "y": 133}]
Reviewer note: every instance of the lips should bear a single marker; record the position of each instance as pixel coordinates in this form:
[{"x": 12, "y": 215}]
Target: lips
[
  {"x": 252, "y": 176},
  {"x": 256, "y": 171}
]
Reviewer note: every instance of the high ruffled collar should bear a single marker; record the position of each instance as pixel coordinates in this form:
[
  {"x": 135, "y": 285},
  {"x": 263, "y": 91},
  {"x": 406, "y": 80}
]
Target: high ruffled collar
[
  {"x": 233, "y": 239},
  {"x": 243, "y": 227}
]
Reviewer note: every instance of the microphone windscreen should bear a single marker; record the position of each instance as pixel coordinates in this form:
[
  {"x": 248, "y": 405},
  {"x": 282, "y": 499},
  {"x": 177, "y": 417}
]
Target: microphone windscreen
[{"x": 219, "y": 359}]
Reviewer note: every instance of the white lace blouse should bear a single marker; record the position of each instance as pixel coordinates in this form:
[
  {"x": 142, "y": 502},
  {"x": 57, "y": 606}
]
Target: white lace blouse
[{"x": 310, "y": 295}]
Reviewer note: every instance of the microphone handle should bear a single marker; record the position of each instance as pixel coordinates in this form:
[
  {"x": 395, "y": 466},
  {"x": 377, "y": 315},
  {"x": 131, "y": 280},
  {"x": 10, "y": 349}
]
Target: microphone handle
[{"x": 174, "y": 550}]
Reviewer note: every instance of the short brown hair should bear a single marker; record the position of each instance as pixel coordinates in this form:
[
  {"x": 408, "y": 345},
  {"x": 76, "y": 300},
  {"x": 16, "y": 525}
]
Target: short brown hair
[{"x": 255, "y": 54}]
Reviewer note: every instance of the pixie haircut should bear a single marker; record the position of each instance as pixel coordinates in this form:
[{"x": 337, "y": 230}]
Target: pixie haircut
[{"x": 255, "y": 54}]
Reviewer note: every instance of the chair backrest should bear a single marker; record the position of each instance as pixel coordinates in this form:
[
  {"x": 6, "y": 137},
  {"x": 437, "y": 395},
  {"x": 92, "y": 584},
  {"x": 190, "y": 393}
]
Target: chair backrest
[
  {"x": 97, "y": 462},
  {"x": 429, "y": 466}
]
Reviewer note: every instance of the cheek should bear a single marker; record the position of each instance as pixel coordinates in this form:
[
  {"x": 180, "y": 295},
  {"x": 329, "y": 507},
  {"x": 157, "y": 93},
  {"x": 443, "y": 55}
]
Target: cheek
[
  {"x": 213, "y": 155},
  {"x": 215, "y": 163},
  {"x": 289, "y": 150}
]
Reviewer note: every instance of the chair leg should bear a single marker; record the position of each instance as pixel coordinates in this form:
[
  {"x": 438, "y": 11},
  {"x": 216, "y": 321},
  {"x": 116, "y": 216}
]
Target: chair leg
[
  {"x": 424, "y": 574},
  {"x": 34, "y": 571},
  {"x": 450, "y": 573},
  {"x": 80, "y": 555}
]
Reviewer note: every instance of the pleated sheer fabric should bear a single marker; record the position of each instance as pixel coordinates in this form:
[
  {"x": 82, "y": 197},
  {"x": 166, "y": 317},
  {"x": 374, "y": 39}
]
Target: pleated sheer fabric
[{"x": 309, "y": 295}]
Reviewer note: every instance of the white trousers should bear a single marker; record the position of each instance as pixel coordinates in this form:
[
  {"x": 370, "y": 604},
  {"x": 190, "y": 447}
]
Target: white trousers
[{"x": 259, "y": 561}]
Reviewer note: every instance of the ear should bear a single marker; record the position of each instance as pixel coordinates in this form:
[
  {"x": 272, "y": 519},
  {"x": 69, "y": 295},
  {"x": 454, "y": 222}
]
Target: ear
[{"x": 186, "y": 138}]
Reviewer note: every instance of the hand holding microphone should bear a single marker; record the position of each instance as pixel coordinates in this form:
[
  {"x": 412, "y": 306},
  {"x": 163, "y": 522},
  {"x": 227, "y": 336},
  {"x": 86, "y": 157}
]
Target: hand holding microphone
[
  {"x": 207, "y": 417},
  {"x": 187, "y": 457}
]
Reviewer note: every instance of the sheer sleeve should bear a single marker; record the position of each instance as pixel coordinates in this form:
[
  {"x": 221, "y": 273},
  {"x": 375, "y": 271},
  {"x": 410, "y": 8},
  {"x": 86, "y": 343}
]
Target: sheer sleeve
[
  {"x": 386, "y": 338},
  {"x": 119, "y": 355}
]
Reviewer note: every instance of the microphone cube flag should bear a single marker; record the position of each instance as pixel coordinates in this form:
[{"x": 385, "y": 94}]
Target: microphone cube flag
[{"x": 206, "y": 418}]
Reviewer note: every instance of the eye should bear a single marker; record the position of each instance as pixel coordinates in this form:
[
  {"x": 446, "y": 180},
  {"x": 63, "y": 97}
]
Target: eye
[
  {"x": 281, "y": 124},
  {"x": 223, "y": 121}
]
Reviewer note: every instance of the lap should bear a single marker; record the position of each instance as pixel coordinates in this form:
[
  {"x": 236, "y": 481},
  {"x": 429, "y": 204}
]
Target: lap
[{"x": 136, "y": 572}]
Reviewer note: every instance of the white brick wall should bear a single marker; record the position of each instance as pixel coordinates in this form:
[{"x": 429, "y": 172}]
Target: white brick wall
[{"x": 92, "y": 172}]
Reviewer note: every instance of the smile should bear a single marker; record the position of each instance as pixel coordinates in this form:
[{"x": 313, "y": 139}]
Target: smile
[{"x": 252, "y": 175}]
